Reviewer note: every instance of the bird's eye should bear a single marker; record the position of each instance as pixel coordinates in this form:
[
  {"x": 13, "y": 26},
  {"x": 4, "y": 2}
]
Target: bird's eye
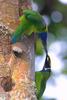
[{"x": 17, "y": 52}]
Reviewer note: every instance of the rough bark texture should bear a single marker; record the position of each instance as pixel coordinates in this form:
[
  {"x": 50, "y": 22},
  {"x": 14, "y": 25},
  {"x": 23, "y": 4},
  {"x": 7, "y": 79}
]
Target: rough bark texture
[
  {"x": 9, "y": 12},
  {"x": 20, "y": 69}
]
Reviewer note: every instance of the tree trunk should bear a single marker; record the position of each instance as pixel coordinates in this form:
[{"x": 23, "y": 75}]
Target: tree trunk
[{"x": 18, "y": 68}]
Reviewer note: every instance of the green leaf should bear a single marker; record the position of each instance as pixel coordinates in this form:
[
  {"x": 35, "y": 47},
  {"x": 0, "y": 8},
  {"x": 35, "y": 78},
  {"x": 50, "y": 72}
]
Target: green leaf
[
  {"x": 64, "y": 71},
  {"x": 65, "y": 57},
  {"x": 39, "y": 47}
]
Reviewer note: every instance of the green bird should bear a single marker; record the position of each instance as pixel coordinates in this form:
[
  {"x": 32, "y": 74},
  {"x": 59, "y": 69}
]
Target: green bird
[
  {"x": 30, "y": 22},
  {"x": 41, "y": 78}
]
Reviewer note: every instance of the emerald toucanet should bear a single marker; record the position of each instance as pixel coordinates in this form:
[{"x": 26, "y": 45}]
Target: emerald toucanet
[
  {"x": 30, "y": 22},
  {"x": 42, "y": 76}
]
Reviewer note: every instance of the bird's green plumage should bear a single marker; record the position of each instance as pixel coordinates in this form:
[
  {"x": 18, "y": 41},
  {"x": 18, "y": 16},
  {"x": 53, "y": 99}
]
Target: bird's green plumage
[
  {"x": 22, "y": 29},
  {"x": 33, "y": 16},
  {"x": 30, "y": 22},
  {"x": 36, "y": 19},
  {"x": 41, "y": 79}
]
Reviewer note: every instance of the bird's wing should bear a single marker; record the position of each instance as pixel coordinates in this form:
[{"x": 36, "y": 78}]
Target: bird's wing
[
  {"x": 33, "y": 16},
  {"x": 41, "y": 79}
]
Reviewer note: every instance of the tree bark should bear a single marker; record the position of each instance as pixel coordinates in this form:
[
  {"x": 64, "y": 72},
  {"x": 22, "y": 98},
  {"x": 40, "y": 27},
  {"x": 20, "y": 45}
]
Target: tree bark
[{"x": 21, "y": 69}]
